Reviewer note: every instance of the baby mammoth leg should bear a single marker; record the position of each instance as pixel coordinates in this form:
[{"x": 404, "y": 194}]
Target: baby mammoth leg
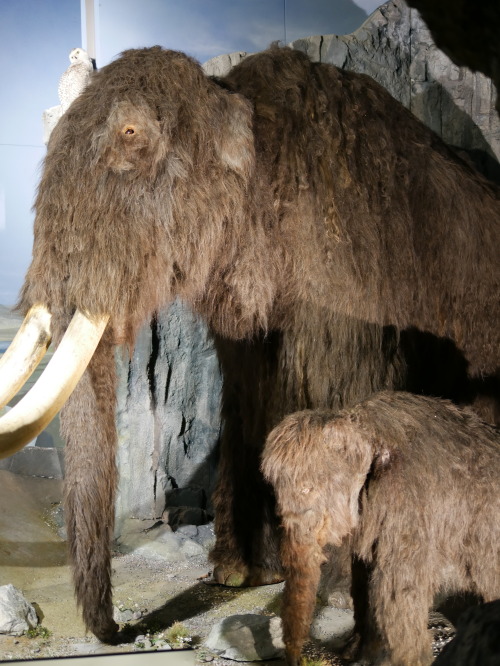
[
  {"x": 365, "y": 640},
  {"x": 400, "y": 598},
  {"x": 486, "y": 578}
]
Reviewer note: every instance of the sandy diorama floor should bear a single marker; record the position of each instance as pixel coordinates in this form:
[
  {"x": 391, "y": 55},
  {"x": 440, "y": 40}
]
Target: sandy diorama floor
[{"x": 33, "y": 559}]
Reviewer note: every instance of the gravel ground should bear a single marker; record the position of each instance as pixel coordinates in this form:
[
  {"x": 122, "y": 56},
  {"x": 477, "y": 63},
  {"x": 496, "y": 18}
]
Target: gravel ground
[{"x": 33, "y": 559}]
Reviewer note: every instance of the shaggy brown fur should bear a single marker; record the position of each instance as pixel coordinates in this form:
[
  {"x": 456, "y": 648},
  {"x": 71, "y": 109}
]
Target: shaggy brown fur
[
  {"x": 291, "y": 199},
  {"x": 90, "y": 484},
  {"x": 415, "y": 482}
]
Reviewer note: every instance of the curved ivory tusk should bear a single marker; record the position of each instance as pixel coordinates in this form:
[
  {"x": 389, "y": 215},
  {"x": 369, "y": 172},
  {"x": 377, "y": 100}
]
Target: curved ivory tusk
[
  {"x": 24, "y": 352},
  {"x": 39, "y": 406}
]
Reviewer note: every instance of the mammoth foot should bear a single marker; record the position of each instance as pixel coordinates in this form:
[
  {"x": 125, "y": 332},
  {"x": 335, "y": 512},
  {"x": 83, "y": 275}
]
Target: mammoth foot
[
  {"x": 352, "y": 649},
  {"x": 234, "y": 576},
  {"x": 107, "y": 632},
  {"x": 366, "y": 652},
  {"x": 293, "y": 658}
]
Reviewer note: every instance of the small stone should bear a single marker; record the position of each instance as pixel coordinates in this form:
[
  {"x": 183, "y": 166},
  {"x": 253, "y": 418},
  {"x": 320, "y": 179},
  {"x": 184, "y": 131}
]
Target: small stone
[
  {"x": 247, "y": 638},
  {"x": 206, "y": 536},
  {"x": 165, "y": 549},
  {"x": 122, "y": 615},
  {"x": 333, "y": 626},
  {"x": 191, "y": 548},
  {"x": 163, "y": 533},
  {"x": 188, "y": 530}
]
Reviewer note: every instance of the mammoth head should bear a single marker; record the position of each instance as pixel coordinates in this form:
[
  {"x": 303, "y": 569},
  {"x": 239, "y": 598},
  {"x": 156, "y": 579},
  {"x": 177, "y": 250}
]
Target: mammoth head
[
  {"x": 122, "y": 212},
  {"x": 317, "y": 462},
  {"x": 142, "y": 193}
]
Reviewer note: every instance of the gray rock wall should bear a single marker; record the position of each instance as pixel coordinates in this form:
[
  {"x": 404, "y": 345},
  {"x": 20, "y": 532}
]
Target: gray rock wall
[
  {"x": 456, "y": 103},
  {"x": 167, "y": 416},
  {"x": 168, "y": 403},
  {"x": 379, "y": 48},
  {"x": 394, "y": 46}
]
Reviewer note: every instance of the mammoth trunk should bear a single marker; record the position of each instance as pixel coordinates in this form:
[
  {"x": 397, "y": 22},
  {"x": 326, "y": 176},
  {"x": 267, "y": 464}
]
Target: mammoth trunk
[
  {"x": 302, "y": 557},
  {"x": 88, "y": 426}
]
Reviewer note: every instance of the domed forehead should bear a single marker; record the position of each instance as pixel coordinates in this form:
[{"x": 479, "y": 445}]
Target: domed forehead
[
  {"x": 151, "y": 70},
  {"x": 162, "y": 80}
]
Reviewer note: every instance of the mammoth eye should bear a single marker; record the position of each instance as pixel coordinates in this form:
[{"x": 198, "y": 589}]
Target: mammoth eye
[{"x": 129, "y": 130}]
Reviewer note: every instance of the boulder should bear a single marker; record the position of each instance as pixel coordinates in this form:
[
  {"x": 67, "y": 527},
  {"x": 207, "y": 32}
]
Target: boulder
[
  {"x": 16, "y": 614},
  {"x": 247, "y": 637}
]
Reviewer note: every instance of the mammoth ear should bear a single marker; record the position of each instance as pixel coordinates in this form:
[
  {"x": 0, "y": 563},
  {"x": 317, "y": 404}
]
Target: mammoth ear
[
  {"x": 383, "y": 460},
  {"x": 236, "y": 141}
]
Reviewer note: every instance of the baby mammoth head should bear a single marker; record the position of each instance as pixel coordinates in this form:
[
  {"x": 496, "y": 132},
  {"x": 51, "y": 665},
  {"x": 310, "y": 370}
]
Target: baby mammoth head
[{"x": 317, "y": 464}]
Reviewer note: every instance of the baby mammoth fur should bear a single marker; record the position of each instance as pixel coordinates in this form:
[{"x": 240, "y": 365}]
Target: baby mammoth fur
[{"x": 415, "y": 482}]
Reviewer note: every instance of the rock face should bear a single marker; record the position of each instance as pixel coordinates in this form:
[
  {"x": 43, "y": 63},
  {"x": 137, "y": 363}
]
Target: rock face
[
  {"x": 456, "y": 103},
  {"x": 168, "y": 404},
  {"x": 467, "y": 31},
  {"x": 395, "y": 47},
  {"x": 168, "y": 417},
  {"x": 221, "y": 64},
  {"x": 16, "y": 614}
]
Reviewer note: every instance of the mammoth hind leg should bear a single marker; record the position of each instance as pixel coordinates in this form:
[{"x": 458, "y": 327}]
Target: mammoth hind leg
[
  {"x": 88, "y": 426},
  {"x": 246, "y": 551},
  {"x": 246, "y": 525},
  {"x": 401, "y": 614}
]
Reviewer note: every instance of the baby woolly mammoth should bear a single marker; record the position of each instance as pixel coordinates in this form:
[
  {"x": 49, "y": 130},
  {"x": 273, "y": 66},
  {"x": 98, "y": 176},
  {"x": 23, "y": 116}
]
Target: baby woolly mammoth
[
  {"x": 415, "y": 482},
  {"x": 301, "y": 211}
]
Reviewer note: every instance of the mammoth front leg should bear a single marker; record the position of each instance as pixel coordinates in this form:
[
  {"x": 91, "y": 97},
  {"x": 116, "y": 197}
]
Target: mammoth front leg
[{"x": 88, "y": 426}]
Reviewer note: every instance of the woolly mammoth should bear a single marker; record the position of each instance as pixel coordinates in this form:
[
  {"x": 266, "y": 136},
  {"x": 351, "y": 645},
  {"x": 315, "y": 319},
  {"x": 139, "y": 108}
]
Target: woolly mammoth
[
  {"x": 415, "y": 482},
  {"x": 302, "y": 212}
]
